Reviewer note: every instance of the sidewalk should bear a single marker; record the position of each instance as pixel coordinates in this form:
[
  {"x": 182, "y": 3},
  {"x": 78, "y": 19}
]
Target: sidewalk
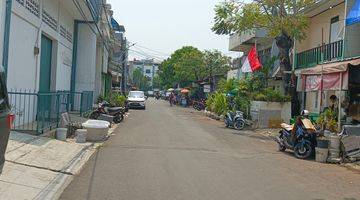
[{"x": 39, "y": 167}]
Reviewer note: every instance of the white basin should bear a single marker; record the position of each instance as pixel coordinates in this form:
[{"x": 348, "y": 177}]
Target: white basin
[{"x": 97, "y": 130}]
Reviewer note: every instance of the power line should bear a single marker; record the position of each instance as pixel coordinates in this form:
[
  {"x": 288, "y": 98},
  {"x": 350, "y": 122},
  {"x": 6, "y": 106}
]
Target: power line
[
  {"x": 159, "y": 56},
  {"x": 156, "y": 51},
  {"x": 147, "y": 55}
]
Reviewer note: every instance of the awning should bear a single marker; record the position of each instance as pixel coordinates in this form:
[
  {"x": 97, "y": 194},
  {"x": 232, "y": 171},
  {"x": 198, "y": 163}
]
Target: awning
[
  {"x": 330, "y": 76},
  {"x": 330, "y": 68},
  {"x": 115, "y": 25},
  {"x": 354, "y": 14}
]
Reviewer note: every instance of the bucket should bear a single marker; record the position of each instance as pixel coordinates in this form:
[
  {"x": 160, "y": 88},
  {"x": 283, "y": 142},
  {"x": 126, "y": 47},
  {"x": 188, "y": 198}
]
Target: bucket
[
  {"x": 322, "y": 143},
  {"x": 80, "y": 135},
  {"x": 321, "y": 154},
  {"x": 61, "y": 134}
]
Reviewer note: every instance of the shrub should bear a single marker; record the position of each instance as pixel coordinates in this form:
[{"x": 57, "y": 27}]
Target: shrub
[
  {"x": 115, "y": 99},
  {"x": 220, "y": 103}
]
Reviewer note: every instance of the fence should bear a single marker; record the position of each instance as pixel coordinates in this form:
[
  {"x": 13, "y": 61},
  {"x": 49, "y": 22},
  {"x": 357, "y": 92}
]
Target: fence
[
  {"x": 318, "y": 55},
  {"x": 40, "y": 112}
]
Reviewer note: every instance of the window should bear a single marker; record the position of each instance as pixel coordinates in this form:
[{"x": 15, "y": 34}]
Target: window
[
  {"x": 148, "y": 71},
  {"x": 4, "y": 106},
  {"x": 334, "y": 29}
]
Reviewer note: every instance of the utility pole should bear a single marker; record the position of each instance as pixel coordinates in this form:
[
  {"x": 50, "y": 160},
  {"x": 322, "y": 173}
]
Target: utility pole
[{"x": 124, "y": 50}]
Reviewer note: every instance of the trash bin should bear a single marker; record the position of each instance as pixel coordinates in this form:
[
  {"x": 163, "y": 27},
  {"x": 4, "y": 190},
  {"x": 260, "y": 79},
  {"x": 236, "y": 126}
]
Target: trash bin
[{"x": 5, "y": 118}]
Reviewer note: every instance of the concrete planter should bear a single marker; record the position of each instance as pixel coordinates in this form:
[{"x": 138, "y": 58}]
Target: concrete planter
[{"x": 270, "y": 114}]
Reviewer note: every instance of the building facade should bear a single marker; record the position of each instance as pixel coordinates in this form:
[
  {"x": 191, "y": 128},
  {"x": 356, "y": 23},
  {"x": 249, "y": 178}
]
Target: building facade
[
  {"x": 327, "y": 61},
  {"x": 58, "y": 56},
  {"x": 148, "y": 67}
]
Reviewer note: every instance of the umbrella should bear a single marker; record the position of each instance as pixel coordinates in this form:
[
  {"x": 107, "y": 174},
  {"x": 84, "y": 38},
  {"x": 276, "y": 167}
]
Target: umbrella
[
  {"x": 170, "y": 89},
  {"x": 184, "y": 91}
]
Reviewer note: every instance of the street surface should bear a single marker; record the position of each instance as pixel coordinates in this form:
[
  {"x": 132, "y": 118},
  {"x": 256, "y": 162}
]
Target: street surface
[{"x": 166, "y": 153}]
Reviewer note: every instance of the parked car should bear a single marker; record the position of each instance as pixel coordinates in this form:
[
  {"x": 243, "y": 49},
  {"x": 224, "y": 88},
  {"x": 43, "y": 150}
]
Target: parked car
[
  {"x": 136, "y": 99},
  {"x": 4, "y": 118}
]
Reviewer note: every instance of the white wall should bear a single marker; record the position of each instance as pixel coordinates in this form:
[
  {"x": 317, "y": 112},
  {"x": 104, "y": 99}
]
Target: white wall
[
  {"x": 23, "y": 64},
  {"x": 64, "y": 58},
  {"x": 86, "y": 59},
  {"x": 26, "y": 30}
]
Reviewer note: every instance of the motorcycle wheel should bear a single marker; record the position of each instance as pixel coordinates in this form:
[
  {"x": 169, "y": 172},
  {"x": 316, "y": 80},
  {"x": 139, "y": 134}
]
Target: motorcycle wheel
[
  {"x": 118, "y": 119},
  {"x": 282, "y": 148},
  {"x": 95, "y": 115},
  {"x": 227, "y": 125},
  {"x": 303, "y": 151},
  {"x": 239, "y": 124}
]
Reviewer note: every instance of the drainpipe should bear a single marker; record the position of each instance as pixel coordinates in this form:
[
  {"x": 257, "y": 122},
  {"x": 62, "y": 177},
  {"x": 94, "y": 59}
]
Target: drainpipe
[{"x": 5, "y": 60}]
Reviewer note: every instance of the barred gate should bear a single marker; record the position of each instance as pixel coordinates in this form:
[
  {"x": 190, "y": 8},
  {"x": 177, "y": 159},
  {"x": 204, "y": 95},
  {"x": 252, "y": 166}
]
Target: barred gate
[{"x": 40, "y": 112}]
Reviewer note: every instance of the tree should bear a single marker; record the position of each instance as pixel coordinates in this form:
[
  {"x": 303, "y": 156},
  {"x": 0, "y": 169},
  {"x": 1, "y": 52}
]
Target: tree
[
  {"x": 167, "y": 74},
  {"x": 140, "y": 81},
  {"x": 188, "y": 65},
  {"x": 185, "y": 65},
  {"x": 215, "y": 64},
  {"x": 157, "y": 82},
  {"x": 282, "y": 19}
]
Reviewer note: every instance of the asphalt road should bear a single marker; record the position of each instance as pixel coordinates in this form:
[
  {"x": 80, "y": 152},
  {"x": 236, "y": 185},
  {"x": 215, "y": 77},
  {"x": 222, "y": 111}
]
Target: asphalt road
[{"x": 168, "y": 153}]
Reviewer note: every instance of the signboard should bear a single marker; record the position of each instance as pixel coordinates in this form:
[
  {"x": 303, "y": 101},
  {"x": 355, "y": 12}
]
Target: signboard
[{"x": 207, "y": 88}]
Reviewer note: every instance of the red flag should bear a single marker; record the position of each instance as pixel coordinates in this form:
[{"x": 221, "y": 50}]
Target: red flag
[{"x": 252, "y": 62}]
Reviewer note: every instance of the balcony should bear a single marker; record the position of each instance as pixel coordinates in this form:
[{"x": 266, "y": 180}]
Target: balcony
[
  {"x": 244, "y": 41},
  {"x": 319, "y": 55}
]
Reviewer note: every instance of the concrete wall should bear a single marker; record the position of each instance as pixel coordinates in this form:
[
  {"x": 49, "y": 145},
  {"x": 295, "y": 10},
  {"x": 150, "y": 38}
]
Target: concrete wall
[
  {"x": 352, "y": 36},
  {"x": 86, "y": 55},
  {"x": 270, "y": 114},
  {"x": 26, "y": 30},
  {"x": 319, "y": 28}
]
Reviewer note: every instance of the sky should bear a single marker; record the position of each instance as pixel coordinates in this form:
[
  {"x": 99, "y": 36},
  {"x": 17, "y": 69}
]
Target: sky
[{"x": 159, "y": 27}]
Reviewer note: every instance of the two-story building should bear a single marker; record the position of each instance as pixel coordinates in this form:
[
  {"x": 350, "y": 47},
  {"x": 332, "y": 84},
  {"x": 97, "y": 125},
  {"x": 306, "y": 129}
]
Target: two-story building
[
  {"x": 57, "y": 54},
  {"x": 266, "y": 49},
  {"x": 327, "y": 61}
]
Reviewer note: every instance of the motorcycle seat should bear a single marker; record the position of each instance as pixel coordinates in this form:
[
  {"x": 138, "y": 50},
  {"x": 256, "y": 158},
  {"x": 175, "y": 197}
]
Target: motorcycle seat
[
  {"x": 114, "y": 109},
  {"x": 287, "y": 127}
]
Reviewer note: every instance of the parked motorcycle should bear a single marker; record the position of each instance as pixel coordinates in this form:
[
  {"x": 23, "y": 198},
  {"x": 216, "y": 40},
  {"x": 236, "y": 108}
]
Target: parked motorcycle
[
  {"x": 104, "y": 108},
  {"x": 300, "y": 137},
  {"x": 236, "y": 120},
  {"x": 199, "y": 105}
]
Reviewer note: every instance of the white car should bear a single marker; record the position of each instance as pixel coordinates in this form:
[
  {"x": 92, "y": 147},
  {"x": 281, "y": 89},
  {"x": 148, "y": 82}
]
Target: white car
[{"x": 136, "y": 99}]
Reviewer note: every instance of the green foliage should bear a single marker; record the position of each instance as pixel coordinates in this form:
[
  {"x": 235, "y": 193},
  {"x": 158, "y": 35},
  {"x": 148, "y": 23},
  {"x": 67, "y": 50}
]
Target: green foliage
[
  {"x": 140, "y": 81},
  {"x": 276, "y": 16},
  {"x": 113, "y": 98},
  {"x": 216, "y": 63},
  {"x": 226, "y": 86},
  {"x": 188, "y": 65},
  {"x": 327, "y": 120},
  {"x": 217, "y": 102},
  {"x": 269, "y": 94}
]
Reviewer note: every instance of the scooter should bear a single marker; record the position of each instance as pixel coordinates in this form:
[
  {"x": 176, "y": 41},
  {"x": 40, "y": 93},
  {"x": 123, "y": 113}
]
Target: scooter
[
  {"x": 104, "y": 108},
  {"x": 236, "y": 120},
  {"x": 199, "y": 105},
  {"x": 300, "y": 137}
]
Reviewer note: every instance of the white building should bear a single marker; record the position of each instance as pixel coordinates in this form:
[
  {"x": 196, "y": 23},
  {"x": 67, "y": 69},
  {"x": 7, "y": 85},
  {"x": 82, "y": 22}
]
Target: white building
[
  {"x": 55, "y": 45},
  {"x": 149, "y": 68}
]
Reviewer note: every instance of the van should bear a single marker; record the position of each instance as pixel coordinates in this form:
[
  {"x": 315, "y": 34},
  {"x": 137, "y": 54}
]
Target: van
[{"x": 4, "y": 118}]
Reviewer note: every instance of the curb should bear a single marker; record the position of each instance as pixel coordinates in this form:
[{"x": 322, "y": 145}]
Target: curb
[{"x": 64, "y": 178}]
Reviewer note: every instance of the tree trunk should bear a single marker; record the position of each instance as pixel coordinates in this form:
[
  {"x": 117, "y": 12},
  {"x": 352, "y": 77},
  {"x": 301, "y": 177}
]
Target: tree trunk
[{"x": 285, "y": 43}]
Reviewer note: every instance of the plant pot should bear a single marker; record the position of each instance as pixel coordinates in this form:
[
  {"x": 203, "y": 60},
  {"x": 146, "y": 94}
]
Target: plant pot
[{"x": 322, "y": 143}]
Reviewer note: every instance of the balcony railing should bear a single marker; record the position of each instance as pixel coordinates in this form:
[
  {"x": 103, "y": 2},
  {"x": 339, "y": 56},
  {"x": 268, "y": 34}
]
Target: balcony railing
[{"x": 318, "y": 55}]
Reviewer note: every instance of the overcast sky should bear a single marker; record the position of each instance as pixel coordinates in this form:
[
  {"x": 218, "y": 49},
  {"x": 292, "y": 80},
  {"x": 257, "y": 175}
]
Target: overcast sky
[{"x": 167, "y": 25}]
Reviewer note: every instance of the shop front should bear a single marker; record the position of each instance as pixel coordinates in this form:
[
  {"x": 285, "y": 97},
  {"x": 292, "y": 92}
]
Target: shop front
[{"x": 334, "y": 86}]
